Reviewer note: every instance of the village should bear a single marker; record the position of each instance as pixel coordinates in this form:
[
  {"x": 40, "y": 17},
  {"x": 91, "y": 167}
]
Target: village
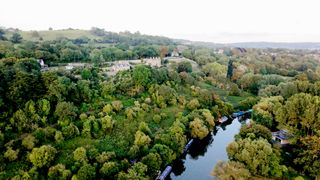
[{"x": 113, "y": 67}]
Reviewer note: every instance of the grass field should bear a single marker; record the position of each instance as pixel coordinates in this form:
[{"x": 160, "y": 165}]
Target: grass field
[{"x": 55, "y": 34}]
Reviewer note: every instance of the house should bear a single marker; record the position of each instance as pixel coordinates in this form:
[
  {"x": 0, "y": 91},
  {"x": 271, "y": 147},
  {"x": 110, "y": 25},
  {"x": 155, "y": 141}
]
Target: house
[
  {"x": 69, "y": 67},
  {"x": 223, "y": 119},
  {"x": 282, "y": 137},
  {"x": 44, "y": 67},
  {"x": 220, "y": 51},
  {"x": 175, "y": 53}
]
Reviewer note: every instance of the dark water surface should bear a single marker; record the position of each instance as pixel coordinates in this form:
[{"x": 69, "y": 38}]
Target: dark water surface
[{"x": 203, "y": 155}]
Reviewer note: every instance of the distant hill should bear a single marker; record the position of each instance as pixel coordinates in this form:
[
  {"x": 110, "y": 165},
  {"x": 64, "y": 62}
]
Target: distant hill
[
  {"x": 126, "y": 36},
  {"x": 96, "y": 34},
  {"x": 296, "y": 45}
]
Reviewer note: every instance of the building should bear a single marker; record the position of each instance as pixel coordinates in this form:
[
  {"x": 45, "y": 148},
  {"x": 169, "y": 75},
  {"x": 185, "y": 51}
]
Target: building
[
  {"x": 175, "y": 53},
  {"x": 44, "y": 67},
  {"x": 282, "y": 137}
]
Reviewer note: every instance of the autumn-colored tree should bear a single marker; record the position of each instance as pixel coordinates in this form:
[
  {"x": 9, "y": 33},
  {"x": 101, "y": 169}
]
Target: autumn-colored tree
[
  {"x": 193, "y": 104},
  {"x": 117, "y": 105},
  {"x": 198, "y": 129},
  {"x": 230, "y": 170}
]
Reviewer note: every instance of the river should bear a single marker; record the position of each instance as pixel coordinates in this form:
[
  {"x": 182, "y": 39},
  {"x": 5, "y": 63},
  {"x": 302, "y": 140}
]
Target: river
[{"x": 204, "y": 155}]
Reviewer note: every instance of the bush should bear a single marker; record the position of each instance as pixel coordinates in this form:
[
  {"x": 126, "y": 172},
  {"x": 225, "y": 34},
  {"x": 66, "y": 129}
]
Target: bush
[{"x": 156, "y": 118}]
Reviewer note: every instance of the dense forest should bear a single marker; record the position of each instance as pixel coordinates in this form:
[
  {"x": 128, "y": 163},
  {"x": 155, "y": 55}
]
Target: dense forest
[{"x": 82, "y": 124}]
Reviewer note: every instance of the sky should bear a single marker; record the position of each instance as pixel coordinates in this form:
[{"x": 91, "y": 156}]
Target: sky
[{"x": 221, "y": 21}]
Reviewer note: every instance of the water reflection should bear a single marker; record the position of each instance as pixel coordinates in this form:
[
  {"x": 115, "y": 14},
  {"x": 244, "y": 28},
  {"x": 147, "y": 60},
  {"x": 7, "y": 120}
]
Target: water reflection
[
  {"x": 205, "y": 153},
  {"x": 179, "y": 167}
]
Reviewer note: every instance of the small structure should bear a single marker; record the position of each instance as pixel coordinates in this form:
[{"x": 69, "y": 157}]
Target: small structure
[
  {"x": 241, "y": 113},
  {"x": 282, "y": 137},
  {"x": 220, "y": 51},
  {"x": 186, "y": 148},
  {"x": 175, "y": 53},
  {"x": 165, "y": 173},
  {"x": 69, "y": 67},
  {"x": 237, "y": 114},
  {"x": 223, "y": 119},
  {"x": 44, "y": 67}
]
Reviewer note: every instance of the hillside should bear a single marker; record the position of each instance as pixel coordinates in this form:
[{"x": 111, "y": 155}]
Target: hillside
[
  {"x": 294, "y": 45},
  {"x": 58, "y": 34}
]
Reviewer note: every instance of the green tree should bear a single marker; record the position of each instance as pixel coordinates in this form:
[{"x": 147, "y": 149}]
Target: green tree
[
  {"x": 106, "y": 123},
  {"x": 157, "y": 118},
  {"x": 66, "y": 112},
  {"x": 230, "y": 69},
  {"x": 141, "y": 139},
  {"x": 137, "y": 171},
  {"x": 2, "y": 33},
  {"x": 258, "y": 130},
  {"x": 258, "y": 156},
  {"x": 43, "y": 156},
  {"x": 59, "y": 171},
  {"x": 96, "y": 56},
  {"x": 167, "y": 154},
  {"x": 43, "y": 107},
  {"x": 215, "y": 70},
  {"x": 11, "y": 154},
  {"x": 29, "y": 141},
  {"x": 80, "y": 155},
  {"x": 184, "y": 66},
  {"x": 105, "y": 156},
  {"x": 58, "y": 137},
  {"x": 265, "y": 111},
  {"x": 153, "y": 162},
  {"x": 299, "y": 115},
  {"x": 87, "y": 171},
  {"x": 16, "y": 38},
  {"x": 141, "y": 75},
  {"x": 21, "y": 121},
  {"x": 109, "y": 169},
  {"x": 309, "y": 155}
]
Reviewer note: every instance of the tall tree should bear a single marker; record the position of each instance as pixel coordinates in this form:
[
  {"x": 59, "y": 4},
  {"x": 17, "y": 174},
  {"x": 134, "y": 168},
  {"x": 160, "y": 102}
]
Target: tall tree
[
  {"x": 230, "y": 69},
  {"x": 258, "y": 156},
  {"x": 16, "y": 38}
]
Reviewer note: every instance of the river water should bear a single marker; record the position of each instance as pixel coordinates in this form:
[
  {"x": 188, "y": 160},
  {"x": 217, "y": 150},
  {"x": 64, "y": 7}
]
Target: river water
[{"x": 203, "y": 155}]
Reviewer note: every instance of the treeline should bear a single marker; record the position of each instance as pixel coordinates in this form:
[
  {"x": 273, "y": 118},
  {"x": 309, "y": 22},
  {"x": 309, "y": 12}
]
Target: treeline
[{"x": 108, "y": 47}]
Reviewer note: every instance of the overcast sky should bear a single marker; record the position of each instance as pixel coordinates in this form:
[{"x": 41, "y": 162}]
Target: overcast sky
[{"x": 205, "y": 20}]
